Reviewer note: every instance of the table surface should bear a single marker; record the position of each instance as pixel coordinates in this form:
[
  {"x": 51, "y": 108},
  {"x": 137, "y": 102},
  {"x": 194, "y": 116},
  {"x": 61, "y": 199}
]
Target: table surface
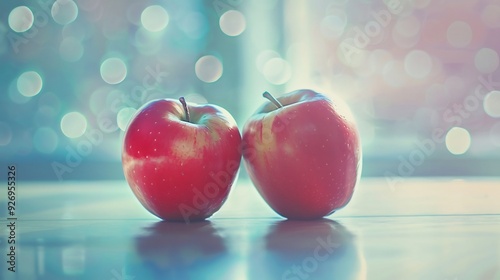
[{"x": 424, "y": 228}]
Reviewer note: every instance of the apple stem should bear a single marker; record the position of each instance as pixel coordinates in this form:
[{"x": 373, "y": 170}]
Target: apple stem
[
  {"x": 272, "y": 99},
  {"x": 184, "y": 105}
]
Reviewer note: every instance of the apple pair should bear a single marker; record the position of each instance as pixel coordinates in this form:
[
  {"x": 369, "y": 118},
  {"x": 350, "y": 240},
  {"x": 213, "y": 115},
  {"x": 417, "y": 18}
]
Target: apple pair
[{"x": 301, "y": 151}]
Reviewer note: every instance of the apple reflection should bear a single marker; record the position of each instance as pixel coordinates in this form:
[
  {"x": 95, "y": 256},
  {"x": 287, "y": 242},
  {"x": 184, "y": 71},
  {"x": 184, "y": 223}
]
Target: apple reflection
[
  {"x": 297, "y": 250},
  {"x": 178, "y": 251}
]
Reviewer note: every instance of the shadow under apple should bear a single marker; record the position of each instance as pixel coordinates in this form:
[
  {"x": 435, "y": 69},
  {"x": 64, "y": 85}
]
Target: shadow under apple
[
  {"x": 297, "y": 250},
  {"x": 178, "y": 251}
]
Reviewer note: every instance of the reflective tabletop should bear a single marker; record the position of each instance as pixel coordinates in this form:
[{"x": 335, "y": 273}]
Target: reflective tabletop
[{"x": 426, "y": 228}]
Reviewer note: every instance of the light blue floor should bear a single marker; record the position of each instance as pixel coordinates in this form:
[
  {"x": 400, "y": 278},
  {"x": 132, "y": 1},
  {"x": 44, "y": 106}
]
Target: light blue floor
[{"x": 443, "y": 229}]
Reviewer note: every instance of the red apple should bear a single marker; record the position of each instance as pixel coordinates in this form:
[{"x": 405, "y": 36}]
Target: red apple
[
  {"x": 303, "y": 154},
  {"x": 181, "y": 159}
]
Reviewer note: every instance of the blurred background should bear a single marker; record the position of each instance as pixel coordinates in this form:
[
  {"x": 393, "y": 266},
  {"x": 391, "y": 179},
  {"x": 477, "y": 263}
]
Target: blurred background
[{"x": 420, "y": 76}]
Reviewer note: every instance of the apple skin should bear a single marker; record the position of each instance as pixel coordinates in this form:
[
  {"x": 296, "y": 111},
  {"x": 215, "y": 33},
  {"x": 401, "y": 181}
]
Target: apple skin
[
  {"x": 180, "y": 170},
  {"x": 304, "y": 158}
]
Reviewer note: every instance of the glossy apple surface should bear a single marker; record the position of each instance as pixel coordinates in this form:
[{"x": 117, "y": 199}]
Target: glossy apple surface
[
  {"x": 181, "y": 161},
  {"x": 305, "y": 157}
]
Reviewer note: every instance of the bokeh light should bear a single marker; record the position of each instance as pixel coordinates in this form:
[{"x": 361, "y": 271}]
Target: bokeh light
[
  {"x": 29, "y": 83},
  {"x": 154, "y": 18},
  {"x": 489, "y": 15},
  {"x": 5, "y": 134},
  {"x": 64, "y": 11},
  {"x": 21, "y": 19},
  {"x": 418, "y": 64},
  {"x": 263, "y": 57},
  {"x": 459, "y": 34},
  {"x": 71, "y": 49},
  {"x": 73, "y": 125},
  {"x": 45, "y": 140},
  {"x": 486, "y": 60},
  {"x": 277, "y": 71},
  {"x": 232, "y": 23},
  {"x": 208, "y": 68},
  {"x": 113, "y": 70},
  {"x": 491, "y": 104},
  {"x": 124, "y": 116},
  {"x": 458, "y": 140}
]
